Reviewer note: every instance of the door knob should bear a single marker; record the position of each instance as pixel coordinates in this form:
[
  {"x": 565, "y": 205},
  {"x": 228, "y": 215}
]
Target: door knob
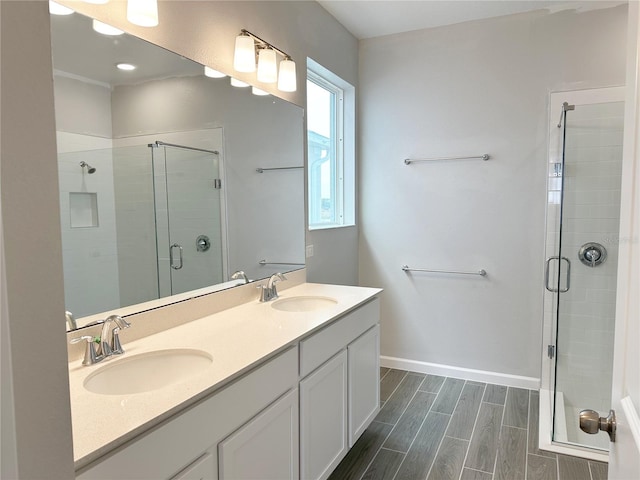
[{"x": 591, "y": 422}]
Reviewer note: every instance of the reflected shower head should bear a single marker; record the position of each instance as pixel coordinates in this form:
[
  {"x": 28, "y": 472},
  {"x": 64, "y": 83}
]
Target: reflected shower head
[{"x": 90, "y": 169}]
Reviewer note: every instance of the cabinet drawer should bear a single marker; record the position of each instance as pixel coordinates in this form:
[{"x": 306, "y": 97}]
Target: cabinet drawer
[{"x": 321, "y": 346}]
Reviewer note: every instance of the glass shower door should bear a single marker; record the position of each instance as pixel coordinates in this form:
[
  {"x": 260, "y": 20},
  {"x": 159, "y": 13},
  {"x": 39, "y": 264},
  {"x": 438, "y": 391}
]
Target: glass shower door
[
  {"x": 189, "y": 218},
  {"x": 582, "y": 274}
]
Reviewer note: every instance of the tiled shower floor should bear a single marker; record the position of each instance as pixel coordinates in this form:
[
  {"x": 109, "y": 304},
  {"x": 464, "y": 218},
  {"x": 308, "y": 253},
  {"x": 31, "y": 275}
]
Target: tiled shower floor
[{"x": 441, "y": 428}]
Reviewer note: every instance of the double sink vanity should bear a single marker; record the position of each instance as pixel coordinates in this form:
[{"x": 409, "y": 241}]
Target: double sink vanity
[{"x": 278, "y": 390}]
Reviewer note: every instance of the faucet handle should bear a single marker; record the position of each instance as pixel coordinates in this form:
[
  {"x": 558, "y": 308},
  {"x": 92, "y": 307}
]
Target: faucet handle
[
  {"x": 116, "y": 346},
  {"x": 90, "y": 356}
]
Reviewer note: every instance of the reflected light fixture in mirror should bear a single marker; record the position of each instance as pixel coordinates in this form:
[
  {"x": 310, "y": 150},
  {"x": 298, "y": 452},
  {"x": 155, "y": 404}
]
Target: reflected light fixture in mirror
[
  {"x": 211, "y": 73},
  {"x": 244, "y": 60},
  {"x": 105, "y": 29},
  {"x": 257, "y": 91},
  {"x": 238, "y": 83},
  {"x": 57, "y": 9},
  {"x": 143, "y": 13}
]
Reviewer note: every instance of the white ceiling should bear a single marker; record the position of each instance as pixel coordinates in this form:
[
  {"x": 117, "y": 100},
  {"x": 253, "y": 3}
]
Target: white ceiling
[{"x": 374, "y": 18}]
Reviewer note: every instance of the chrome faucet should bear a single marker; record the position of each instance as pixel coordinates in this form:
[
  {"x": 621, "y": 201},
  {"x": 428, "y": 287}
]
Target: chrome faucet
[
  {"x": 269, "y": 292},
  {"x": 240, "y": 275},
  {"x": 110, "y": 344},
  {"x": 107, "y": 344}
]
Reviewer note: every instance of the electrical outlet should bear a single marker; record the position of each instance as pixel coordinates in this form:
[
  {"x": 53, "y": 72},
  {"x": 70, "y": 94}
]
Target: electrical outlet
[{"x": 309, "y": 251}]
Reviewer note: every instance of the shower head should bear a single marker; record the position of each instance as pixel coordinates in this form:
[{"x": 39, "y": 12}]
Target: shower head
[{"x": 90, "y": 169}]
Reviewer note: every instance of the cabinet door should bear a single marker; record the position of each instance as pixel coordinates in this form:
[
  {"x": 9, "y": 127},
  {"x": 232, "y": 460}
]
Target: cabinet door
[
  {"x": 202, "y": 469},
  {"x": 323, "y": 414},
  {"x": 364, "y": 382},
  {"x": 266, "y": 447}
]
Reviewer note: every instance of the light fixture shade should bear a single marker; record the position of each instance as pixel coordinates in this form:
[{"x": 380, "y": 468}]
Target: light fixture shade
[
  {"x": 57, "y": 9},
  {"x": 105, "y": 29},
  {"x": 267, "y": 66},
  {"x": 244, "y": 57},
  {"x": 238, "y": 83},
  {"x": 210, "y": 72},
  {"x": 259, "y": 92},
  {"x": 143, "y": 12},
  {"x": 287, "y": 77}
]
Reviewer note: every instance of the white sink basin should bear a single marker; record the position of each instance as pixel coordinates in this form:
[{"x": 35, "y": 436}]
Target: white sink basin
[
  {"x": 147, "y": 371},
  {"x": 303, "y": 303}
]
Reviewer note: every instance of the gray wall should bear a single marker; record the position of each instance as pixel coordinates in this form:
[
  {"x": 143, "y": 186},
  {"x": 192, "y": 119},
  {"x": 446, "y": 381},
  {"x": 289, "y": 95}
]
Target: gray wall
[
  {"x": 473, "y": 88},
  {"x": 203, "y": 31}
]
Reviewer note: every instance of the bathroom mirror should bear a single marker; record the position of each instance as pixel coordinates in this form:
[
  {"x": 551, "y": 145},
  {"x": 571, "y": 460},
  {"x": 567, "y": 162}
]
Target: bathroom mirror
[{"x": 170, "y": 181}]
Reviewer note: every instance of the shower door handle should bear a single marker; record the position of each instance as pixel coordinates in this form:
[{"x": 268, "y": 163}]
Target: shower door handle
[
  {"x": 171, "y": 259},
  {"x": 546, "y": 275}
]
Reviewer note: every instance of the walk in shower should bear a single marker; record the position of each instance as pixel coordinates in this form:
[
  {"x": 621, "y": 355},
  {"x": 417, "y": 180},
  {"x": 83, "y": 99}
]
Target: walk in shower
[
  {"x": 145, "y": 224},
  {"x": 583, "y": 217}
]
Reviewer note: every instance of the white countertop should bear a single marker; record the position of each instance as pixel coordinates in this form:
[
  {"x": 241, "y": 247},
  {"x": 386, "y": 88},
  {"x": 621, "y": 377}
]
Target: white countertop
[{"x": 238, "y": 339}]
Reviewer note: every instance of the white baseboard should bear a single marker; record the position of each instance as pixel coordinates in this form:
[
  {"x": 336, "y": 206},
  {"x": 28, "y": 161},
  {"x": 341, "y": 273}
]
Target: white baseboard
[{"x": 518, "y": 381}]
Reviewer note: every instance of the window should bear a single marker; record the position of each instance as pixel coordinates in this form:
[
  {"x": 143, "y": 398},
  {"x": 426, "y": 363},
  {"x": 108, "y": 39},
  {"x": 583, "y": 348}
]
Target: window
[{"x": 331, "y": 152}]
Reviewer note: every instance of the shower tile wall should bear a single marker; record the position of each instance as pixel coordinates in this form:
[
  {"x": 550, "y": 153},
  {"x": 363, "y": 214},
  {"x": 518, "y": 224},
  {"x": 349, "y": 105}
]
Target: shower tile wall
[
  {"x": 89, "y": 254},
  {"x": 591, "y": 213}
]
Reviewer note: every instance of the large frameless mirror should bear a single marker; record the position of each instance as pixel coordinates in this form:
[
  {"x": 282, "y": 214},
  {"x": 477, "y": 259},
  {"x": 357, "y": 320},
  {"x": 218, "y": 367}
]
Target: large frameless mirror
[{"x": 170, "y": 181}]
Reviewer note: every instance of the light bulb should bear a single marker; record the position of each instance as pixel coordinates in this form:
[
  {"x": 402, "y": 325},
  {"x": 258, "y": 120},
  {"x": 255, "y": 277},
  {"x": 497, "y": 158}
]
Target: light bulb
[
  {"x": 143, "y": 12},
  {"x": 126, "y": 67},
  {"x": 105, "y": 29},
  {"x": 238, "y": 83},
  {"x": 287, "y": 77},
  {"x": 267, "y": 67},
  {"x": 244, "y": 58},
  {"x": 57, "y": 9},
  {"x": 210, "y": 72},
  {"x": 257, "y": 91}
]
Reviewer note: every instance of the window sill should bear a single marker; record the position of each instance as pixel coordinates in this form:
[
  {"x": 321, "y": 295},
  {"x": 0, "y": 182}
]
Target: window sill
[{"x": 330, "y": 227}]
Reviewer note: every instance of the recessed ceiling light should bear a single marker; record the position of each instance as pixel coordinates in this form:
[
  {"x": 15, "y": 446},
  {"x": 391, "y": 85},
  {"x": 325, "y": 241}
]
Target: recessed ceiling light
[
  {"x": 126, "y": 66},
  {"x": 57, "y": 9},
  {"x": 105, "y": 29}
]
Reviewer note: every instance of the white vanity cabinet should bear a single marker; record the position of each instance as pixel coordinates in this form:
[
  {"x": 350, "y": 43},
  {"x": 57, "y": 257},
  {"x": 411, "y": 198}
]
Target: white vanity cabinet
[
  {"x": 185, "y": 447},
  {"x": 294, "y": 415},
  {"x": 339, "y": 394}
]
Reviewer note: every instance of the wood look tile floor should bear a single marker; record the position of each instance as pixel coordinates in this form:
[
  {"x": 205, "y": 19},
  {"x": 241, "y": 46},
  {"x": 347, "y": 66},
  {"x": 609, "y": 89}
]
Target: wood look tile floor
[{"x": 441, "y": 428}]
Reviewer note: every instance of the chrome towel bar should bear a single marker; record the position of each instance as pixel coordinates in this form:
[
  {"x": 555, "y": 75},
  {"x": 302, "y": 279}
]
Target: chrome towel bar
[
  {"x": 407, "y": 268},
  {"x": 261, "y": 169},
  {"x": 264, "y": 262},
  {"x": 484, "y": 156}
]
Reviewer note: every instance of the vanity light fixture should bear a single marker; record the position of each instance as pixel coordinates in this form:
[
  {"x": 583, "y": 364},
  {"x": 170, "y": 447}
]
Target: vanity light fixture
[
  {"x": 105, "y": 29},
  {"x": 126, "y": 67},
  {"x": 143, "y": 13},
  {"x": 244, "y": 60},
  {"x": 210, "y": 72},
  {"x": 57, "y": 9},
  {"x": 267, "y": 66},
  {"x": 238, "y": 83}
]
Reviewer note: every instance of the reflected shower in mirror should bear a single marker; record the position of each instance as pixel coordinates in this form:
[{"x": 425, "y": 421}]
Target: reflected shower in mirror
[{"x": 161, "y": 196}]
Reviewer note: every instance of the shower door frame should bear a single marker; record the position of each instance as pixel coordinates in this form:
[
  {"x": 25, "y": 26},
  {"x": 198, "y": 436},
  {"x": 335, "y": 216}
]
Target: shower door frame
[{"x": 547, "y": 380}]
